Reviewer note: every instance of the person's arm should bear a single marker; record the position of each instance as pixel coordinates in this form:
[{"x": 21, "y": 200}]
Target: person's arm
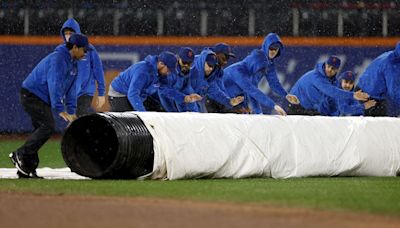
[
  {"x": 55, "y": 79},
  {"x": 215, "y": 93},
  {"x": 98, "y": 72},
  {"x": 138, "y": 83},
  {"x": 97, "y": 67},
  {"x": 167, "y": 103},
  {"x": 273, "y": 81},
  {"x": 255, "y": 106},
  {"x": 168, "y": 91},
  {"x": 331, "y": 90},
  {"x": 254, "y": 92},
  {"x": 71, "y": 97}
]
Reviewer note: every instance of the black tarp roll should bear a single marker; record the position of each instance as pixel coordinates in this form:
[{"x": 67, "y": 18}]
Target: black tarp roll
[{"x": 108, "y": 146}]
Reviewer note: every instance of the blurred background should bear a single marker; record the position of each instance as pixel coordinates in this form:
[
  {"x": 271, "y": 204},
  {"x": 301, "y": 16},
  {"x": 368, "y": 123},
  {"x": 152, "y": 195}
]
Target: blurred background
[
  {"x": 204, "y": 17},
  {"x": 125, "y": 32}
]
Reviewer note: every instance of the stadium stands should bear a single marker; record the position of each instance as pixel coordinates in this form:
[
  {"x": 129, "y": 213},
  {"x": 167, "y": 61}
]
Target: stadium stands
[{"x": 204, "y": 17}]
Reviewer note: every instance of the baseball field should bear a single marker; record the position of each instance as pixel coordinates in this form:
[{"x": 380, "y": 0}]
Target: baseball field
[{"x": 300, "y": 202}]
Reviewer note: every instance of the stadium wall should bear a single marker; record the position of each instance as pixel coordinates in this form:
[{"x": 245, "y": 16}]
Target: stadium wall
[{"x": 20, "y": 54}]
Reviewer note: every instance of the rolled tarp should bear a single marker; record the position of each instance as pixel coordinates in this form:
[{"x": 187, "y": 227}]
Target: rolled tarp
[{"x": 198, "y": 145}]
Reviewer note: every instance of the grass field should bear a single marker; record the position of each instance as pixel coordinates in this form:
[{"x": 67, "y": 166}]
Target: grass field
[{"x": 362, "y": 194}]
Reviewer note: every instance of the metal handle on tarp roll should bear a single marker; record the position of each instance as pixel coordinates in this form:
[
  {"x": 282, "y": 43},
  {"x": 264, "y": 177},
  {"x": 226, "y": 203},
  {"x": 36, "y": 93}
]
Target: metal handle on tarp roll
[{"x": 108, "y": 146}]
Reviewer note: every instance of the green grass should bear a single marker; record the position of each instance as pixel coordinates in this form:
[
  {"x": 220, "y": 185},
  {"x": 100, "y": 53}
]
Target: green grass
[
  {"x": 362, "y": 194},
  {"x": 49, "y": 154}
]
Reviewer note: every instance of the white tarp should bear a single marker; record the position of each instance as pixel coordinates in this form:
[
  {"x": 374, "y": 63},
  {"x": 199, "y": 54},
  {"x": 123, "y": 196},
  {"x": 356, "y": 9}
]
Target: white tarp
[
  {"x": 193, "y": 145},
  {"x": 47, "y": 173}
]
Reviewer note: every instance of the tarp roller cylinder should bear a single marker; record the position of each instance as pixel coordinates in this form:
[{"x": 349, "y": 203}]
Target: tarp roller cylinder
[{"x": 108, "y": 145}]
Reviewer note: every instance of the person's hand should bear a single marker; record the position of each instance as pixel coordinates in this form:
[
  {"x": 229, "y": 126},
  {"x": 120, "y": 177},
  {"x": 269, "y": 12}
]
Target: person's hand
[
  {"x": 67, "y": 117},
  {"x": 280, "y": 110},
  {"x": 101, "y": 100},
  {"x": 194, "y": 97},
  {"x": 369, "y": 104},
  {"x": 292, "y": 99},
  {"x": 236, "y": 100},
  {"x": 244, "y": 110},
  {"x": 360, "y": 96}
]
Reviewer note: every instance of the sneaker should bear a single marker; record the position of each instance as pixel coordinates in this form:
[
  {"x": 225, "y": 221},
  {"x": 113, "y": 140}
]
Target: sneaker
[
  {"x": 31, "y": 175},
  {"x": 19, "y": 164}
]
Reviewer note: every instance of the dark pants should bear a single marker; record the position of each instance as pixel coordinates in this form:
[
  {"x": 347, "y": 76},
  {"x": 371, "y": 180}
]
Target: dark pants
[
  {"x": 215, "y": 107},
  {"x": 297, "y": 109},
  {"x": 83, "y": 106},
  {"x": 43, "y": 125},
  {"x": 122, "y": 104},
  {"x": 378, "y": 110}
]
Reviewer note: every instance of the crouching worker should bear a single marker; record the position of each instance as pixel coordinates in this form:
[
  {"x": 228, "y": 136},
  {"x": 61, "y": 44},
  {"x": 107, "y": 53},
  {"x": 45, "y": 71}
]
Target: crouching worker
[
  {"x": 51, "y": 86},
  {"x": 351, "y": 107},
  {"x": 317, "y": 90},
  {"x": 136, "y": 89},
  {"x": 238, "y": 81},
  {"x": 205, "y": 82},
  {"x": 177, "y": 95}
]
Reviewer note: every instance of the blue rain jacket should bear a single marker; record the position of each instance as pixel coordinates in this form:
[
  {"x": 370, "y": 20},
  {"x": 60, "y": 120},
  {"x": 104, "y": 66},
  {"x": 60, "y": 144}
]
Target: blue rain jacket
[
  {"x": 381, "y": 79},
  {"x": 270, "y": 72},
  {"x": 207, "y": 86},
  {"x": 318, "y": 92},
  {"x": 90, "y": 68},
  {"x": 138, "y": 82},
  {"x": 54, "y": 80},
  {"x": 238, "y": 81},
  {"x": 348, "y": 107},
  {"x": 172, "y": 95}
]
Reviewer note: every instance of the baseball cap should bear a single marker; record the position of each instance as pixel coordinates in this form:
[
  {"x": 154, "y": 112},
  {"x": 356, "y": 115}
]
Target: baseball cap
[
  {"x": 334, "y": 61},
  {"x": 211, "y": 60},
  {"x": 347, "y": 75},
  {"x": 169, "y": 59},
  {"x": 275, "y": 46},
  {"x": 223, "y": 48},
  {"x": 80, "y": 40},
  {"x": 186, "y": 54}
]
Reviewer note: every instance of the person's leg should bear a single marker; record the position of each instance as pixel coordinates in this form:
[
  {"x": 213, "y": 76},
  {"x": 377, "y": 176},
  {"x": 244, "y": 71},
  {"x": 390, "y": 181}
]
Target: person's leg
[
  {"x": 83, "y": 106},
  {"x": 43, "y": 123},
  {"x": 120, "y": 104}
]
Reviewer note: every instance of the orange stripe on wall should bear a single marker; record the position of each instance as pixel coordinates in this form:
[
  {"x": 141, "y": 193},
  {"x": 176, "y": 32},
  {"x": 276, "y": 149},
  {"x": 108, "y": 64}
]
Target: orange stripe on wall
[{"x": 203, "y": 41}]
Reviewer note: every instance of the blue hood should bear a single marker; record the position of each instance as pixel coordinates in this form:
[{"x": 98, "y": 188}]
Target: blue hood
[
  {"x": 395, "y": 55},
  {"x": 256, "y": 61},
  {"x": 70, "y": 23},
  {"x": 200, "y": 60},
  {"x": 270, "y": 39},
  {"x": 151, "y": 61},
  {"x": 62, "y": 49}
]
